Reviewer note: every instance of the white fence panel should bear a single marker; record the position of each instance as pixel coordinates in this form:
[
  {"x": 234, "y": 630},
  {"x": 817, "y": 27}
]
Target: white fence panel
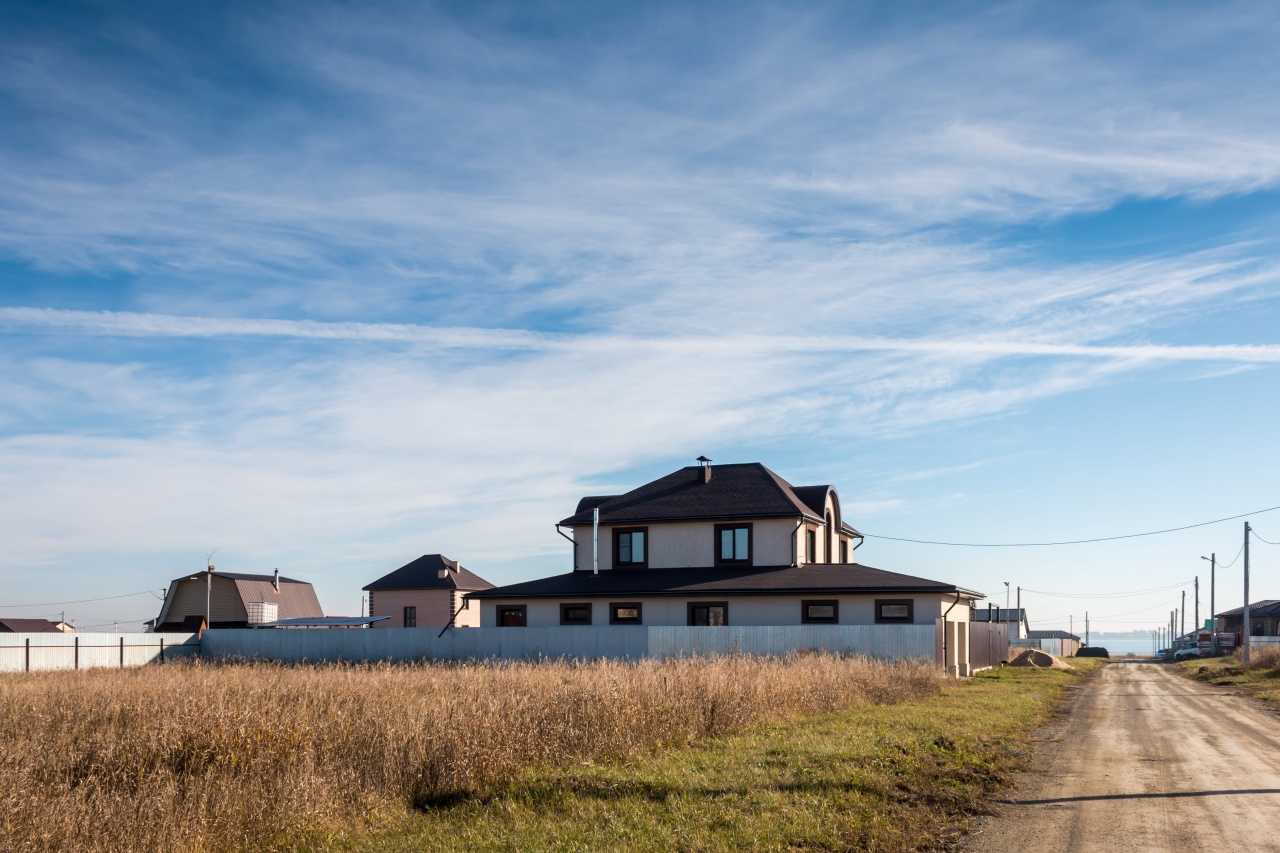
[
  {"x": 47, "y": 651},
  {"x": 890, "y": 642},
  {"x": 581, "y": 642}
]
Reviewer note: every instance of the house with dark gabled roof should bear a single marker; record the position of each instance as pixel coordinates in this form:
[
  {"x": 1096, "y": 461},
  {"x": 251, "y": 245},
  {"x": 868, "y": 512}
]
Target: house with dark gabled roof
[
  {"x": 426, "y": 593},
  {"x": 730, "y": 545}
]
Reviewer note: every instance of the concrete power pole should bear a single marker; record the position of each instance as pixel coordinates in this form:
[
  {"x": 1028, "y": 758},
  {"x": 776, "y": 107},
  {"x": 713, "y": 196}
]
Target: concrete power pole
[
  {"x": 1086, "y": 627},
  {"x": 1244, "y": 633},
  {"x": 1182, "y": 626},
  {"x": 1196, "y": 623}
]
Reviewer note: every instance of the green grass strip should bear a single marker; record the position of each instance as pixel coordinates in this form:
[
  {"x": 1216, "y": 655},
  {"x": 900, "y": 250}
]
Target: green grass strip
[{"x": 885, "y": 778}]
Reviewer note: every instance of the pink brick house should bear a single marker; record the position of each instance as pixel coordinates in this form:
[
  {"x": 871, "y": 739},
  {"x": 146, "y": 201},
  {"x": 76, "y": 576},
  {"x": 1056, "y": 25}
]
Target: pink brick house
[{"x": 426, "y": 593}]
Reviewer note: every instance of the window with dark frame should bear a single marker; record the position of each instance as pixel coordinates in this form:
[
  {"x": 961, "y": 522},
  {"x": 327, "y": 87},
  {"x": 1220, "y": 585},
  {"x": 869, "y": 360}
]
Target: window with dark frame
[
  {"x": 895, "y": 610},
  {"x": 709, "y": 613},
  {"x": 824, "y": 612},
  {"x": 733, "y": 544},
  {"x": 575, "y": 614},
  {"x": 810, "y": 545},
  {"x": 626, "y": 613},
  {"x": 411, "y": 617},
  {"x": 512, "y": 616},
  {"x": 629, "y": 547},
  {"x": 844, "y": 550}
]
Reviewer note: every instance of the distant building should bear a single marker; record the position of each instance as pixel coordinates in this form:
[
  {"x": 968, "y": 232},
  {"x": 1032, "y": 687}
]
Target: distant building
[
  {"x": 426, "y": 593},
  {"x": 29, "y": 626},
  {"x": 1060, "y": 643},
  {"x": 234, "y": 600}
]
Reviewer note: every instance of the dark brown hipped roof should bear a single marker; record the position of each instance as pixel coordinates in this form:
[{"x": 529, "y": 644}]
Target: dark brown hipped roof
[
  {"x": 424, "y": 573},
  {"x": 28, "y": 626},
  {"x": 748, "y": 490},
  {"x": 759, "y": 580}
]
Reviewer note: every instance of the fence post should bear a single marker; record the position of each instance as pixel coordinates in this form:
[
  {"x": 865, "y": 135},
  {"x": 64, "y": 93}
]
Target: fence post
[
  {"x": 77, "y": 653},
  {"x": 122, "y": 652},
  {"x": 27, "y": 662}
]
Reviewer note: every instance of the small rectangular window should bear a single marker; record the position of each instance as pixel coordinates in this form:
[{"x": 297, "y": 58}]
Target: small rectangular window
[
  {"x": 629, "y": 547},
  {"x": 709, "y": 613},
  {"x": 575, "y": 614},
  {"x": 411, "y": 617},
  {"x": 820, "y": 612},
  {"x": 810, "y": 545},
  {"x": 895, "y": 610},
  {"x": 844, "y": 550},
  {"x": 733, "y": 544},
  {"x": 625, "y": 613},
  {"x": 512, "y": 616}
]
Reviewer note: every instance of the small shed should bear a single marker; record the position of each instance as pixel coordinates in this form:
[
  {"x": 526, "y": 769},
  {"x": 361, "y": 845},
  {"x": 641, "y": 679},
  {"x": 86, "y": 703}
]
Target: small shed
[{"x": 426, "y": 593}]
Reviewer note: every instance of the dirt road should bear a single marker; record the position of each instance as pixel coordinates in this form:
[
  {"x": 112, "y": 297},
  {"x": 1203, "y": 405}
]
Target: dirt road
[{"x": 1149, "y": 761}]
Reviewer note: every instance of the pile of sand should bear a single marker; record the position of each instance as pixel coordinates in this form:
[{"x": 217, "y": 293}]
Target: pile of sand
[{"x": 1042, "y": 660}]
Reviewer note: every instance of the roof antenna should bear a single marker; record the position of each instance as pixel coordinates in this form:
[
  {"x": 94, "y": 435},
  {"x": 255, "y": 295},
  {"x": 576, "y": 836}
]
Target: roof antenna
[{"x": 705, "y": 475}]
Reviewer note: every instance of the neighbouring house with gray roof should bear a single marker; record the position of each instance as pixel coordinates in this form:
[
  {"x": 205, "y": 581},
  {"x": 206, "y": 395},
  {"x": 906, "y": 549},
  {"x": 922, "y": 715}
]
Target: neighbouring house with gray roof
[
  {"x": 426, "y": 593},
  {"x": 1014, "y": 618},
  {"x": 730, "y": 545},
  {"x": 1264, "y": 619},
  {"x": 234, "y": 600}
]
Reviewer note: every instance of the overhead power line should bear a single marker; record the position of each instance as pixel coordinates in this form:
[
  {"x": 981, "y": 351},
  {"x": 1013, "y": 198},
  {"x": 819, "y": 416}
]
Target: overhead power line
[
  {"x": 1071, "y": 541},
  {"x": 1259, "y": 538},
  {"x": 82, "y": 600},
  {"x": 1109, "y": 594}
]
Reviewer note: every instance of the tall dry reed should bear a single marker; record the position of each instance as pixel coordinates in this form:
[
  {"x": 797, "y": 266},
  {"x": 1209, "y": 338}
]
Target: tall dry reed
[{"x": 200, "y": 756}]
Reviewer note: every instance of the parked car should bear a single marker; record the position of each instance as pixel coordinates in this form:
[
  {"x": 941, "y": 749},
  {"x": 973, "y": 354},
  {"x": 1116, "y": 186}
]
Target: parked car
[{"x": 1188, "y": 652}]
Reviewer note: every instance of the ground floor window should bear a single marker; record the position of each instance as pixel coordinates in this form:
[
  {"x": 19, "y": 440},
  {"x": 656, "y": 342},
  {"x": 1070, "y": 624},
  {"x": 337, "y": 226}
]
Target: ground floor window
[
  {"x": 411, "y": 617},
  {"x": 511, "y": 616},
  {"x": 895, "y": 610},
  {"x": 820, "y": 612},
  {"x": 708, "y": 613},
  {"x": 575, "y": 614},
  {"x": 625, "y": 613}
]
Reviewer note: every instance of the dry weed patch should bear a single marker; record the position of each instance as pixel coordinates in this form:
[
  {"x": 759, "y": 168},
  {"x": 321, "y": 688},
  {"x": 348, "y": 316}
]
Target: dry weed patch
[{"x": 227, "y": 757}]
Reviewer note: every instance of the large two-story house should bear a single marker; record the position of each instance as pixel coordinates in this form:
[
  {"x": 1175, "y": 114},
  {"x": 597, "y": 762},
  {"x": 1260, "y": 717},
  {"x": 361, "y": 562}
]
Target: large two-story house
[{"x": 729, "y": 545}]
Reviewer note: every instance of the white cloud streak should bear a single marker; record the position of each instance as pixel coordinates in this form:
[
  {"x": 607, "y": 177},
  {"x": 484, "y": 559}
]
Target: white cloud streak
[{"x": 130, "y": 324}]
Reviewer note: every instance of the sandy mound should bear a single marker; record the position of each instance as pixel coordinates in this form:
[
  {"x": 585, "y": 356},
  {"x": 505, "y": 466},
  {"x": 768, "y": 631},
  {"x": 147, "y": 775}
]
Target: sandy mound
[{"x": 1037, "y": 658}]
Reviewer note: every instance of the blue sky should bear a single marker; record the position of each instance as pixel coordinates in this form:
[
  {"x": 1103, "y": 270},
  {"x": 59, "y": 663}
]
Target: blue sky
[{"x": 326, "y": 287}]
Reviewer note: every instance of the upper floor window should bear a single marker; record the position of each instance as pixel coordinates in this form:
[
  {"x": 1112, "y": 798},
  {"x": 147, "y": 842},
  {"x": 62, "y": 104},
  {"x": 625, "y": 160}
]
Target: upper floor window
[
  {"x": 629, "y": 547},
  {"x": 844, "y": 550},
  {"x": 411, "y": 617},
  {"x": 733, "y": 544},
  {"x": 810, "y": 545}
]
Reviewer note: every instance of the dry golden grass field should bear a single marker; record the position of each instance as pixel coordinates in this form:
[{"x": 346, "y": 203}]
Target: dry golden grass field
[{"x": 208, "y": 757}]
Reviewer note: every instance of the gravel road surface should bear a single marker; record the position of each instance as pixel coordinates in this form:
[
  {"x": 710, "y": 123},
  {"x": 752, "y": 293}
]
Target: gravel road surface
[{"x": 1149, "y": 760}]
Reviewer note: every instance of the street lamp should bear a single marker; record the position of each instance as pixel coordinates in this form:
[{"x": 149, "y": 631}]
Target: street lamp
[{"x": 1213, "y": 613}]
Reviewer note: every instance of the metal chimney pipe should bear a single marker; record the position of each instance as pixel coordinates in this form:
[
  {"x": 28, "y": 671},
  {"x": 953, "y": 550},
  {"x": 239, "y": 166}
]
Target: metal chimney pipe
[
  {"x": 595, "y": 541},
  {"x": 276, "y": 581}
]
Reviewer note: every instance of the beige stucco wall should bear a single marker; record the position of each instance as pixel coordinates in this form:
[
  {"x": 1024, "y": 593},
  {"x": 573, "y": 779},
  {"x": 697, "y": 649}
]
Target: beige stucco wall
[
  {"x": 743, "y": 609},
  {"x": 681, "y": 545},
  {"x": 435, "y": 606}
]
